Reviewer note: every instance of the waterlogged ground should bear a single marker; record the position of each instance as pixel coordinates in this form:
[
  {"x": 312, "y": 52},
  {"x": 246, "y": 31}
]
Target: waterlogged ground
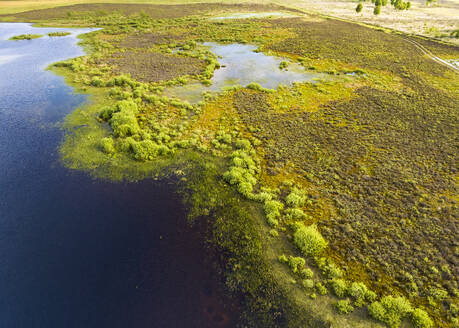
[
  {"x": 240, "y": 66},
  {"x": 333, "y": 202},
  {"x": 76, "y": 252}
]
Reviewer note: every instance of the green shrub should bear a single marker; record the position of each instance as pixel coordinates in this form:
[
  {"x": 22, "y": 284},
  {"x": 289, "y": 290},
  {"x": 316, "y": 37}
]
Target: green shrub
[
  {"x": 125, "y": 144},
  {"x": 123, "y": 119},
  {"x": 144, "y": 150},
  {"x": 295, "y": 214},
  {"x": 237, "y": 175},
  {"x": 107, "y": 145},
  {"x": 283, "y": 64},
  {"x": 321, "y": 289},
  {"x": 377, "y": 10},
  {"x": 296, "y": 263},
  {"x": 282, "y": 258},
  {"x": 273, "y": 233},
  {"x": 438, "y": 294},
  {"x": 359, "y": 8},
  {"x": 339, "y": 287},
  {"x": 332, "y": 271},
  {"x": 273, "y": 222},
  {"x": 97, "y": 82},
  {"x": 243, "y": 160},
  {"x": 258, "y": 87},
  {"x": 309, "y": 240},
  {"x": 254, "y": 86},
  {"x": 261, "y": 197},
  {"x": 245, "y": 188},
  {"x": 107, "y": 112},
  {"x": 296, "y": 198},
  {"x": 243, "y": 144},
  {"x": 124, "y": 80},
  {"x": 421, "y": 319},
  {"x": 308, "y": 283},
  {"x": 370, "y": 296},
  {"x": 358, "y": 290},
  {"x": 272, "y": 209},
  {"x": 390, "y": 310},
  {"x": 344, "y": 306},
  {"x": 307, "y": 273},
  {"x": 224, "y": 138}
]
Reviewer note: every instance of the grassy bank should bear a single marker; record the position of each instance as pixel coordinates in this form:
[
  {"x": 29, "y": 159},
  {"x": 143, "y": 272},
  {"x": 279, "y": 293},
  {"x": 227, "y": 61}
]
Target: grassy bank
[
  {"x": 25, "y": 37},
  {"x": 332, "y": 203}
]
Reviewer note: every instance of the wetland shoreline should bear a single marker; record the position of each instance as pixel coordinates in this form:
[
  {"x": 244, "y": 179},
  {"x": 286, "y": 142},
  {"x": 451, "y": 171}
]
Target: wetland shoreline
[{"x": 232, "y": 154}]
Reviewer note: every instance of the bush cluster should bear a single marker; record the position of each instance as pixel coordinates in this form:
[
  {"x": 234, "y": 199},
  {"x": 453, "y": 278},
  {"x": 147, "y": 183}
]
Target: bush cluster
[
  {"x": 309, "y": 240},
  {"x": 242, "y": 172},
  {"x": 107, "y": 145},
  {"x": 390, "y": 310},
  {"x": 339, "y": 287},
  {"x": 296, "y": 264},
  {"x": 344, "y": 306},
  {"x": 421, "y": 319},
  {"x": 122, "y": 118},
  {"x": 296, "y": 198},
  {"x": 273, "y": 210}
]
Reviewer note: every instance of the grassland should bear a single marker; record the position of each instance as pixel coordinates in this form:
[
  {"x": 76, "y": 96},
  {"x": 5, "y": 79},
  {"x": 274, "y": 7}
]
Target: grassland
[
  {"x": 331, "y": 203},
  {"x": 15, "y": 6},
  {"x": 437, "y": 19}
]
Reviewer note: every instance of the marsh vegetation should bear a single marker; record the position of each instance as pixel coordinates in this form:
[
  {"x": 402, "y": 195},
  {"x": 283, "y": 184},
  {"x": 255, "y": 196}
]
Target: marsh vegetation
[
  {"x": 26, "y": 37},
  {"x": 56, "y": 34}
]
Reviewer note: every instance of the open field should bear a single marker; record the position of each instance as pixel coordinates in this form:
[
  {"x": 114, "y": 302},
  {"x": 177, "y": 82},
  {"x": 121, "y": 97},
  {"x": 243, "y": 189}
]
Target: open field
[
  {"x": 15, "y": 6},
  {"x": 347, "y": 186},
  {"x": 435, "y": 20}
]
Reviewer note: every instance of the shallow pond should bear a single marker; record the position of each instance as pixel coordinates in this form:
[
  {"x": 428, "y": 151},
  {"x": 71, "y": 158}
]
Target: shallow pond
[
  {"x": 77, "y": 252},
  {"x": 241, "y": 65}
]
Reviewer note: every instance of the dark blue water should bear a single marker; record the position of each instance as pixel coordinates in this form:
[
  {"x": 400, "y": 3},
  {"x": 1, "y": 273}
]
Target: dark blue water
[{"x": 80, "y": 253}]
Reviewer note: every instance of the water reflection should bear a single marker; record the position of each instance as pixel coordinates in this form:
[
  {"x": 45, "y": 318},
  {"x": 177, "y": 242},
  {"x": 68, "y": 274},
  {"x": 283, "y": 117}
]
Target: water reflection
[{"x": 241, "y": 65}]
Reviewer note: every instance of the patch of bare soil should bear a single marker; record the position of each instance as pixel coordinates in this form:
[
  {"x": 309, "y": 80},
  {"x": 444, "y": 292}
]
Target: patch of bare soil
[{"x": 154, "y": 67}]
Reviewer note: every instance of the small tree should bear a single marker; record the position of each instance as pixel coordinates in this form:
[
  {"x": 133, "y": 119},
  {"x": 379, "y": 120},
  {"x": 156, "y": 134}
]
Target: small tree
[
  {"x": 377, "y": 10},
  {"x": 421, "y": 319},
  {"x": 309, "y": 240},
  {"x": 359, "y": 8}
]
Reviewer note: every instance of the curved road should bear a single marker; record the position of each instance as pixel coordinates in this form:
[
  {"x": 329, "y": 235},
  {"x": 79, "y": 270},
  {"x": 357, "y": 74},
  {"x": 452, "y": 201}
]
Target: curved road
[{"x": 432, "y": 56}]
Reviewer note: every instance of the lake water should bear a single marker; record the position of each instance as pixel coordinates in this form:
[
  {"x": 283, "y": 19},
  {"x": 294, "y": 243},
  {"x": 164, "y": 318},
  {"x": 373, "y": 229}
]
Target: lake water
[
  {"x": 80, "y": 253},
  {"x": 241, "y": 65}
]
